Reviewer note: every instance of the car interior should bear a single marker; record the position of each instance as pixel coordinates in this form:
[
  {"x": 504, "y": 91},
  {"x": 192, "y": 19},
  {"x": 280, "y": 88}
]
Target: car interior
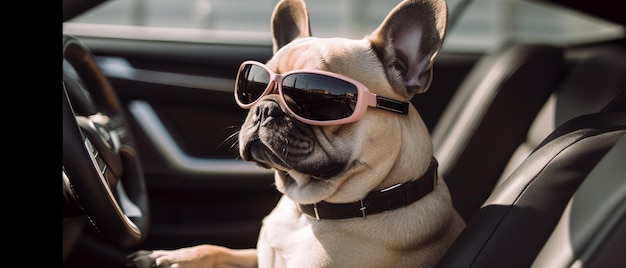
[
  {"x": 543, "y": 185},
  {"x": 529, "y": 138}
]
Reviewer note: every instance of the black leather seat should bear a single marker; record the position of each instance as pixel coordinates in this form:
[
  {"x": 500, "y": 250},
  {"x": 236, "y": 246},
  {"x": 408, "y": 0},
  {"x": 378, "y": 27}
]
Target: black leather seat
[
  {"x": 489, "y": 117},
  {"x": 592, "y": 83},
  {"x": 511, "y": 227},
  {"x": 561, "y": 201}
]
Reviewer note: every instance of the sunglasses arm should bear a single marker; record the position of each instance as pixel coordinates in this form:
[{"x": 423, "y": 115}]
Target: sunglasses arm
[{"x": 388, "y": 104}]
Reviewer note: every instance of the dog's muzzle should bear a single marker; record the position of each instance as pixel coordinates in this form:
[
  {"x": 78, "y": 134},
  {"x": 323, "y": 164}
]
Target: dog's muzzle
[{"x": 274, "y": 139}]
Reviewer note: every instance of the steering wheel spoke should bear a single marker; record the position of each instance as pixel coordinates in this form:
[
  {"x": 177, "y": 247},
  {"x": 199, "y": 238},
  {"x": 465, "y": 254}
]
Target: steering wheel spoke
[{"x": 104, "y": 146}]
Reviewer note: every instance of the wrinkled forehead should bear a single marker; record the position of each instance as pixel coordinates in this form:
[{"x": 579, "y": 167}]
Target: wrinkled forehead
[
  {"x": 328, "y": 54},
  {"x": 352, "y": 58}
]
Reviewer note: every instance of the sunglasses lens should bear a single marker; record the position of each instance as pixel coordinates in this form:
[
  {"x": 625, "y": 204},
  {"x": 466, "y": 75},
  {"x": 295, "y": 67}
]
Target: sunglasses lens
[
  {"x": 319, "y": 97},
  {"x": 252, "y": 82}
]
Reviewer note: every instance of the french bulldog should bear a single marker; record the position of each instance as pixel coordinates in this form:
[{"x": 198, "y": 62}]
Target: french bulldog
[{"x": 353, "y": 159}]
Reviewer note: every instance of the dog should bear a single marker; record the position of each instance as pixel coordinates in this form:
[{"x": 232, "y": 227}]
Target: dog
[{"x": 356, "y": 170}]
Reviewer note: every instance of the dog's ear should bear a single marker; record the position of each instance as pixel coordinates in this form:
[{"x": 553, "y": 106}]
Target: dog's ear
[
  {"x": 408, "y": 41},
  {"x": 290, "y": 20}
]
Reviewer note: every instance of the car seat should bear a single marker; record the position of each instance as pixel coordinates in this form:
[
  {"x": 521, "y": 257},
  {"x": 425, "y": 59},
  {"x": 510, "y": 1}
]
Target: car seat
[
  {"x": 561, "y": 204},
  {"x": 593, "y": 82},
  {"x": 489, "y": 117},
  {"x": 512, "y": 226}
]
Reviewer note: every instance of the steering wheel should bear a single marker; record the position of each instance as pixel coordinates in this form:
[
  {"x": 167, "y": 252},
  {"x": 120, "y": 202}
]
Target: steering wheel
[{"x": 102, "y": 175}]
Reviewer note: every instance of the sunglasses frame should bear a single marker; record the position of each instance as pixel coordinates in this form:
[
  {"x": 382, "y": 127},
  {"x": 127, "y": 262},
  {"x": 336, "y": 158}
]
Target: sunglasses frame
[{"x": 365, "y": 97}]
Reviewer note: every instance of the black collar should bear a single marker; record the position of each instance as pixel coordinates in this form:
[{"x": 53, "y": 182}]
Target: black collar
[{"x": 390, "y": 198}]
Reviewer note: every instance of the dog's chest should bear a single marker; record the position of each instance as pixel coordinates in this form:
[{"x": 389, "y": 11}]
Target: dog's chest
[{"x": 289, "y": 239}]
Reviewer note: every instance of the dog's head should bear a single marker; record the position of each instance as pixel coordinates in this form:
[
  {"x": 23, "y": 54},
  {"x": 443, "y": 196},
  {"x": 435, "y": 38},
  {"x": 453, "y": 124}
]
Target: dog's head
[{"x": 343, "y": 162}]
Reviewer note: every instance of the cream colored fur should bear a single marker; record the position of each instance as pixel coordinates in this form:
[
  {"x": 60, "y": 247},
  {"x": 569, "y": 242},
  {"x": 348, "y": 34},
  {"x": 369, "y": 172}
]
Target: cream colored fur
[{"x": 380, "y": 150}]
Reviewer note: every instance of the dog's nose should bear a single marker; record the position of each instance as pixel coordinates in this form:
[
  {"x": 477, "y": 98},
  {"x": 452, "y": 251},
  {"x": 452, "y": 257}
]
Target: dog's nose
[{"x": 267, "y": 110}]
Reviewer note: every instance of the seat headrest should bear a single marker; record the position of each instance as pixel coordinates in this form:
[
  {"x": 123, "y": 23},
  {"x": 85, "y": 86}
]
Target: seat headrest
[{"x": 592, "y": 84}]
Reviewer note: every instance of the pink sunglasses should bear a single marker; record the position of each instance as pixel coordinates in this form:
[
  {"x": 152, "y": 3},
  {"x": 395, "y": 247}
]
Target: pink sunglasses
[{"x": 314, "y": 97}]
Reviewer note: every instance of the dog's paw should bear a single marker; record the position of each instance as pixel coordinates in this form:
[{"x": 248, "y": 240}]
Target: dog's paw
[
  {"x": 140, "y": 259},
  {"x": 189, "y": 257},
  {"x": 180, "y": 258}
]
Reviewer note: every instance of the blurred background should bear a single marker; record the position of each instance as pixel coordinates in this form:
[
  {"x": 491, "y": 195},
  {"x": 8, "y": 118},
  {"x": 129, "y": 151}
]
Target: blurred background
[{"x": 486, "y": 25}]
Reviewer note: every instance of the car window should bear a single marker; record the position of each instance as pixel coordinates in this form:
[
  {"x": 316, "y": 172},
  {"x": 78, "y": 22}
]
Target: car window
[{"x": 483, "y": 26}]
